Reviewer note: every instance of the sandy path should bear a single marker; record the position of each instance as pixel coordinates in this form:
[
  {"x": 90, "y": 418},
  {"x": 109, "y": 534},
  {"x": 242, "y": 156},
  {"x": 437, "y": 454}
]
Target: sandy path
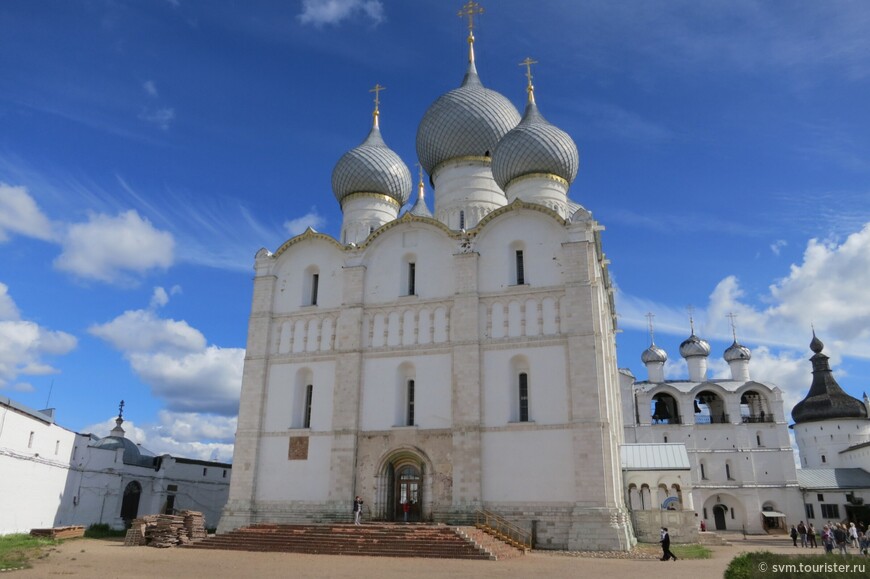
[{"x": 87, "y": 558}]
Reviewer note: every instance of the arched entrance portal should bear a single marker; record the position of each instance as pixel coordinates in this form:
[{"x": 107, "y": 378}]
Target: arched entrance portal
[
  {"x": 130, "y": 503},
  {"x": 719, "y": 512},
  {"x": 405, "y": 476},
  {"x": 409, "y": 488}
]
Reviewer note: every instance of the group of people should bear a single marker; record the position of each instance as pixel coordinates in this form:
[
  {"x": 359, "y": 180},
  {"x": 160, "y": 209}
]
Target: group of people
[
  {"x": 833, "y": 535},
  {"x": 357, "y": 509}
]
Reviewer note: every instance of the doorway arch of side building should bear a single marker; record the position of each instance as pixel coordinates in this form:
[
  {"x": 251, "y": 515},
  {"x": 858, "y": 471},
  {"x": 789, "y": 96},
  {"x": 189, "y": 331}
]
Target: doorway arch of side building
[
  {"x": 404, "y": 478},
  {"x": 724, "y": 512}
]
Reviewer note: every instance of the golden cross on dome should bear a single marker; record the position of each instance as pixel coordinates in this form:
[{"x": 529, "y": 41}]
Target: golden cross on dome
[
  {"x": 377, "y": 90},
  {"x": 731, "y": 316},
  {"x": 470, "y": 9},
  {"x": 528, "y": 62},
  {"x": 650, "y": 316}
]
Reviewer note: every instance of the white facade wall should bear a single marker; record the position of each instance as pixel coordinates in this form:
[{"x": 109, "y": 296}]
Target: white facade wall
[
  {"x": 51, "y": 477},
  {"x": 463, "y": 336},
  {"x": 819, "y": 443},
  {"x": 35, "y": 456},
  {"x": 739, "y": 467}
]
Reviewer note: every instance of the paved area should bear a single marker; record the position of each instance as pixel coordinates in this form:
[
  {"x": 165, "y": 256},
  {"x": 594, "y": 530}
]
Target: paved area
[{"x": 87, "y": 558}]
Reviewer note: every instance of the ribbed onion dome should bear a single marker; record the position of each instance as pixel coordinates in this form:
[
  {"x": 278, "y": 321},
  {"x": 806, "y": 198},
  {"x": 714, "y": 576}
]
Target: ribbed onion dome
[
  {"x": 737, "y": 351},
  {"x": 694, "y": 346},
  {"x": 372, "y": 167},
  {"x": 654, "y": 354},
  {"x": 534, "y": 146},
  {"x": 468, "y": 121}
]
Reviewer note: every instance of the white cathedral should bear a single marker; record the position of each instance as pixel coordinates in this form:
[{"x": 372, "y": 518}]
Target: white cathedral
[
  {"x": 467, "y": 361},
  {"x": 454, "y": 362}
]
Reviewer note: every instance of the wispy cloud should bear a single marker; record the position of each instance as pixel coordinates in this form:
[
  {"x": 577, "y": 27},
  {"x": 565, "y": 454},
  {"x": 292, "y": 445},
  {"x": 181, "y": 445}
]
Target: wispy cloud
[
  {"x": 298, "y": 225},
  {"x": 150, "y": 88},
  {"x": 321, "y": 12},
  {"x": 776, "y": 246},
  {"x": 161, "y": 117}
]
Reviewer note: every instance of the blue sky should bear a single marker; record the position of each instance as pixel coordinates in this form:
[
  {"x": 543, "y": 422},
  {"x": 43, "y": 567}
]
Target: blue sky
[{"x": 149, "y": 148}]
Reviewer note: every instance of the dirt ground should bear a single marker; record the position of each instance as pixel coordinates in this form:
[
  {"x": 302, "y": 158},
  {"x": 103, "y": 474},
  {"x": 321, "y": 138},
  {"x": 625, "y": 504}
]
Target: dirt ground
[{"x": 88, "y": 558}]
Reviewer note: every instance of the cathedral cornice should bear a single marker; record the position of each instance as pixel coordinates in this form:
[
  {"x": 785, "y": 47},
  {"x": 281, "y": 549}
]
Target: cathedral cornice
[{"x": 307, "y": 235}]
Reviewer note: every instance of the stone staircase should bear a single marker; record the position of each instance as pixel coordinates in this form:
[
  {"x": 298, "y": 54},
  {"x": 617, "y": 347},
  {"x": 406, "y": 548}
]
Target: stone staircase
[
  {"x": 492, "y": 545},
  {"x": 711, "y": 538},
  {"x": 376, "y": 539}
]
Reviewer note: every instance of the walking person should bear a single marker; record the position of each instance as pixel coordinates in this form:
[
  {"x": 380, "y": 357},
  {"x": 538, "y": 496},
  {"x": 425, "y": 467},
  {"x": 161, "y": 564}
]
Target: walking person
[
  {"x": 357, "y": 509},
  {"x": 802, "y": 532},
  {"x": 841, "y": 539},
  {"x": 666, "y": 546},
  {"x": 853, "y": 535},
  {"x": 794, "y": 535}
]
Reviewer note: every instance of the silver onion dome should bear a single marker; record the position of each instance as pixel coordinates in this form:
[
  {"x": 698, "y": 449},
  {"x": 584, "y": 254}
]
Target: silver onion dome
[
  {"x": 694, "y": 346},
  {"x": 654, "y": 354},
  {"x": 737, "y": 351},
  {"x": 468, "y": 121},
  {"x": 372, "y": 167},
  {"x": 534, "y": 146}
]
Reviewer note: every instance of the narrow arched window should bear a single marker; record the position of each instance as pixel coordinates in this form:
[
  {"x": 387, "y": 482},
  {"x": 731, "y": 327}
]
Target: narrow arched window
[
  {"x": 524, "y": 396},
  {"x": 410, "y": 409},
  {"x": 703, "y": 471},
  {"x": 412, "y": 279},
  {"x": 520, "y": 267},
  {"x": 309, "y": 393},
  {"x": 462, "y": 220},
  {"x": 727, "y": 471}
]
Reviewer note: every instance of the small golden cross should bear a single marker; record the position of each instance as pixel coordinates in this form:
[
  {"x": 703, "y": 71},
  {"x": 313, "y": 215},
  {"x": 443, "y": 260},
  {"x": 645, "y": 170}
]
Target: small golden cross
[
  {"x": 377, "y": 90},
  {"x": 470, "y": 9},
  {"x": 731, "y": 316}
]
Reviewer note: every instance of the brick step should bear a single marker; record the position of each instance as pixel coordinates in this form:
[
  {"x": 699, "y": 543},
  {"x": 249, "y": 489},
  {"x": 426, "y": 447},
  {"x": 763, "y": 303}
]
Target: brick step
[{"x": 418, "y": 540}]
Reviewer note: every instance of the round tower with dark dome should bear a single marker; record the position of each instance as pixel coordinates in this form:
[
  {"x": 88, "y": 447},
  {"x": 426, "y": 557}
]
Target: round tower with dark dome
[{"x": 827, "y": 421}]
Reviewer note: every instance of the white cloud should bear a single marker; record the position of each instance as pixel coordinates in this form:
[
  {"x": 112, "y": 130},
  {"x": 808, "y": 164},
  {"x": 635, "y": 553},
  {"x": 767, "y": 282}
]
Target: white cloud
[
  {"x": 8, "y": 309},
  {"x": 311, "y": 219},
  {"x": 175, "y": 361},
  {"x": 777, "y": 246},
  {"x": 150, "y": 88},
  {"x": 107, "y": 248},
  {"x": 829, "y": 289},
  {"x": 23, "y": 387},
  {"x": 320, "y": 12},
  {"x": 160, "y": 297},
  {"x": 24, "y": 344},
  {"x": 20, "y": 214},
  {"x": 161, "y": 117},
  {"x": 187, "y": 434}
]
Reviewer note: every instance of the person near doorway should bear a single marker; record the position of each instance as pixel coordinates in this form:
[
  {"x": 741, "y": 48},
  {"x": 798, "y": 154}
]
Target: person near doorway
[
  {"x": 357, "y": 509},
  {"x": 794, "y": 535},
  {"x": 406, "y": 508},
  {"x": 666, "y": 546}
]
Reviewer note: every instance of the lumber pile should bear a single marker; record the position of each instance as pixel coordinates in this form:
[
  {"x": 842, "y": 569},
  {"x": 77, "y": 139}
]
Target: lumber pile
[
  {"x": 59, "y": 532},
  {"x": 164, "y": 531}
]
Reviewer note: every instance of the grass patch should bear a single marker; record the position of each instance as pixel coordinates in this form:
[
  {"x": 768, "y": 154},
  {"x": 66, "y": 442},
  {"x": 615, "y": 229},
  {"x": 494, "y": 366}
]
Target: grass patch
[
  {"x": 688, "y": 551},
  {"x": 764, "y": 565},
  {"x": 17, "y": 550},
  {"x": 103, "y": 531}
]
